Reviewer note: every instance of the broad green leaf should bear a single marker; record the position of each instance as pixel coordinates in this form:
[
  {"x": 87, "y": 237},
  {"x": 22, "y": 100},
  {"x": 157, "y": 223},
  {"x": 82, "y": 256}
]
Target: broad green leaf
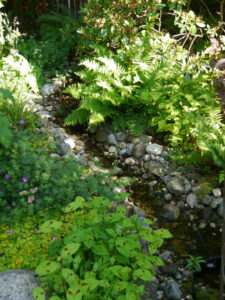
[
  {"x": 100, "y": 202},
  {"x": 111, "y": 232},
  {"x": 119, "y": 286},
  {"x": 100, "y": 249},
  {"x": 93, "y": 217},
  {"x": 130, "y": 296},
  {"x": 127, "y": 247},
  {"x": 156, "y": 261},
  {"x": 143, "y": 261},
  {"x": 74, "y": 293},
  {"x": 47, "y": 267},
  {"x": 50, "y": 226},
  {"x": 38, "y": 293},
  {"x": 142, "y": 274},
  {"x": 69, "y": 276},
  {"x": 76, "y": 262},
  {"x": 146, "y": 234},
  {"x": 152, "y": 249},
  {"x": 121, "y": 210},
  {"x": 54, "y": 298},
  {"x": 69, "y": 250},
  {"x": 78, "y": 203},
  {"x": 121, "y": 272},
  {"x": 113, "y": 218},
  {"x": 103, "y": 283},
  {"x": 163, "y": 233}
]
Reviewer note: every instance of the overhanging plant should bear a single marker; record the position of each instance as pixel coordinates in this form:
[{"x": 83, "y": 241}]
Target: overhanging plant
[{"x": 101, "y": 258}]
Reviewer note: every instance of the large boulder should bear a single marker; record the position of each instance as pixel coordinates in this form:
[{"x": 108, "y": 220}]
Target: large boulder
[{"x": 18, "y": 284}]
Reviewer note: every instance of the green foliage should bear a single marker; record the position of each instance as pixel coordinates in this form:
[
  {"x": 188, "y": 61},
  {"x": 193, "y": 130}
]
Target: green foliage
[
  {"x": 49, "y": 54},
  {"x": 113, "y": 23},
  {"x": 143, "y": 84},
  {"x": 57, "y": 181},
  {"x": 194, "y": 263},
  {"x": 6, "y": 133},
  {"x": 101, "y": 256},
  {"x": 16, "y": 111}
]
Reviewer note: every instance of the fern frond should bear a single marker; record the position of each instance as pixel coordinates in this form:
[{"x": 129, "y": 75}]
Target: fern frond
[{"x": 80, "y": 116}]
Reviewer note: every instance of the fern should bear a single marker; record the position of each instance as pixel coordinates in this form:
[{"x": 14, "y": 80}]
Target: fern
[{"x": 80, "y": 116}]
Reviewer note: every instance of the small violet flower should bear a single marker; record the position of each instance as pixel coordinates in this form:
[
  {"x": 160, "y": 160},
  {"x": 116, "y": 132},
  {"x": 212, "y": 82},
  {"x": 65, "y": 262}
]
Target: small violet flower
[
  {"x": 54, "y": 238},
  {"x": 21, "y": 121},
  {"x": 30, "y": 199},
  {"x": 8, "y": 207},
  {"x": 13, "y": 212},
  {"x": 7, "y": 176},
  {"x": 25, "y": 179},
  {"x": 123, "y": 191}
]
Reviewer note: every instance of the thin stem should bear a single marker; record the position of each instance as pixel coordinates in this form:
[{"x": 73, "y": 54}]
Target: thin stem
[{"x": 221, "y": 14}]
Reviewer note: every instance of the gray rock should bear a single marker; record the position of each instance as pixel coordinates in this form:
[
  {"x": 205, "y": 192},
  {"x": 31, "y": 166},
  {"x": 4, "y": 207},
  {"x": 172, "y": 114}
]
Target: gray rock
[
  {"x": 122, "y": 145},
  {"x": 130, "y": 148},
  {"x": 112, "y": 139},
  {"x": 44, "y": 114},
  {"x": 152, "y": 184},
  {"x": 60, "y": 138},
  {"x": 171, "y": 212},
  {"x": 139, "y": 150},
  {"x": 220, "y": 209},
  {"x": 168, "y": 197},
  {"x": 17, "y": 284},
  {"x": 92, "y": 129},
  {"x": 57, "y": 131},
  {"x": 172, "y": 290},
  {"x": 54, "y": 155},
  {"x": 206, "y": 213},
  {"x": 130, "y": 161},
  {"x": 215, "y": 202},
  {"x": 69, "y": 142},
  {"x": 151, "y": 291},
  {"x": 165, "y": 255},
  {"x": 139, "y": 211},
  {"x": 156, "y": 168},
  {"x": 120, "y": 136},
  {"x": 123, "y": 152},
  {"x": 217, "y": 193},
  {"x": 49, "y": 108},
  {"x": 64, "y": 148},
  {"x": 187, "y": 187},
  {"x": 207, "y": 200},
  {"x": 154, "y": 149},
  {"x": 176, "y": 186},
  {"x": 101, "y": 135},
  {"x": 146, "y": 157},
  {"x": 144, "y": 139},
  {"x": 47, "y": 90},
  {"x": 192, "y": 200},
  {"x": 170, "y": 269},
  {"x": 112, "y": 149}
]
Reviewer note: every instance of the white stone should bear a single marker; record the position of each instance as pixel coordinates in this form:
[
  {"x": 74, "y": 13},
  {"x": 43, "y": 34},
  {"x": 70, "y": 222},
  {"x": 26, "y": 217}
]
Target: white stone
[
  {"x": 217, "y": 193},
  {"x": 154, "y": 149},
  {"x": 47, "y": 90},
  {"x": 70, "y": 142},
  {"x": 112, "y": 149},
  {"x": 192, "y": 200},
  {"x": 120, "y": 136},
  {"x": 112, "y": 139}
]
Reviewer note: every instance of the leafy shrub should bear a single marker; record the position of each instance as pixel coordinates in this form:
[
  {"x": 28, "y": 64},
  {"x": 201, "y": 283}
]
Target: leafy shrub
[
  {"x": 29, "y": 178},
  {"x": 58, "y": 38},
  {"x": 101, "y": 256},
  {"x": 113, "y": 23},
  {"x": 144, "y": 85}
]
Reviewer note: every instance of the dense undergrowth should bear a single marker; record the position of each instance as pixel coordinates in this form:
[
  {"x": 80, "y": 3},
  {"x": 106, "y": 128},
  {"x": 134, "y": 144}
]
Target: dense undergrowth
[{"x": 135, "y": 73}]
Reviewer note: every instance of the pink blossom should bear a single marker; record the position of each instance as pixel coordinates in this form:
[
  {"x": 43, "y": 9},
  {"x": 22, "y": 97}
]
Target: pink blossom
[
  {"x": 54, "y": 238},
  {"x": 30, "y": 199},
  {"x": 34, "y": 190}
]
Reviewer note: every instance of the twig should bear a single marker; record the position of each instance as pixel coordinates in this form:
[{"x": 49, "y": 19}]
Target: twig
[
  {"x": 186, "y": 40},
  {"x": 160, "y": 20}
]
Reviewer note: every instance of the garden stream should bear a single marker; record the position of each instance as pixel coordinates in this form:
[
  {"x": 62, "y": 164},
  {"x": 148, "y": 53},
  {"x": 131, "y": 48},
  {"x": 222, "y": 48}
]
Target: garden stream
[{"x": 187, "y": 239}]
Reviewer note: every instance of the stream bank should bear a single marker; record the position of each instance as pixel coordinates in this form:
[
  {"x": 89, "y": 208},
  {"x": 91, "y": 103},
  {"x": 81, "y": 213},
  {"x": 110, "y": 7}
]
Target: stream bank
[{"x": 161, "y": 190}]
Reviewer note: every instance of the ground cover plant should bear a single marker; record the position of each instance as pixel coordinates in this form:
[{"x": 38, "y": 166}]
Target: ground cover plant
[{"x": 101, "y": 255}]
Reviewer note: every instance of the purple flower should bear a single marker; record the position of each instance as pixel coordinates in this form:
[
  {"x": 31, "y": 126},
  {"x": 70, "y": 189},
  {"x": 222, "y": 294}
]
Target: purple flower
[
  {"x": 210, "y": 265},
  {"x": 123, "y": 191},
  {"x": 9, "y": 233},
  {"x": 7, "y": 176},
  {"x": 21, "y": 121},
  {"x": 13, "y": 212},
  {"x": 37, "y": 196},
  {"x": 10, "y": 230},
  {"x": 25, "y": 179},
  {"x": 8, "y": 207},
  {"x": 35, "y": 229},
  {"x": 54, "y": 238}
]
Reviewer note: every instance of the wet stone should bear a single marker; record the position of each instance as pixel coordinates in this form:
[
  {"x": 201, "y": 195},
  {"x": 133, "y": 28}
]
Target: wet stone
[
  {"x": 112, "y": 139},
  {"x": 207, "y": 200},
  {"x": 112, "y": 149},
  {"x": 139, "y": 150},
  {"x": 217, "y": 193},
  {"x": 215, "y": 202},
  {"x": 120, "y": 136},
  {"x": 154, "y": 149},
  {"x": 192, "y": 200},
  {"x": 176, "y": 186},
  {"x": 172, "y": 290}
]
